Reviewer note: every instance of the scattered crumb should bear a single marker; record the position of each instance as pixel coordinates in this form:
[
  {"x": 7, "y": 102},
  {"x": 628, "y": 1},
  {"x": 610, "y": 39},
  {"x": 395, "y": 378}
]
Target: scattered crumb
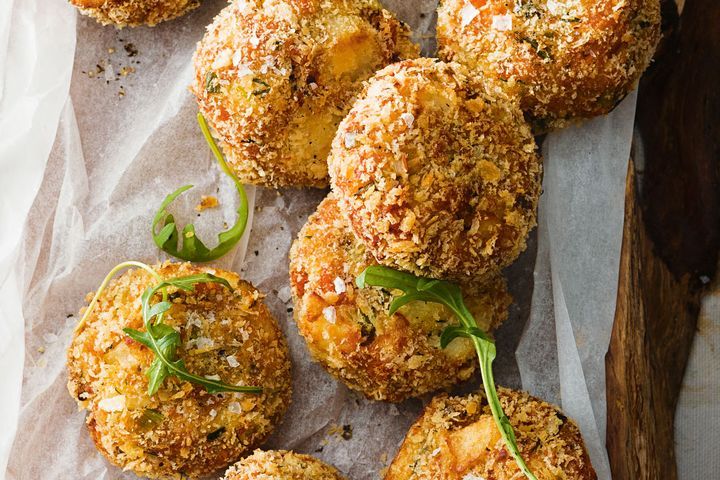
[
  {"x": 111, "y": 50},
  {"x": 131, "y": 50},
  {"x": 207, "y": 201},
  {"x": 125, "y": 71}
]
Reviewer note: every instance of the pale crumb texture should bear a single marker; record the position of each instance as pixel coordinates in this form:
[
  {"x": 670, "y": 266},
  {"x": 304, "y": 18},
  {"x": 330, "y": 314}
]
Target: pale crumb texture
[
  {"x": 275, "y": 77},
  {"x": 133, "y": 13},
  {"x": 385, "y": 357},
  {"x": 456, "y": 439},
  {"x": 567, "y": 60},
  {"x": 281, "y": 465},
  {"x": 452, "y": 195},
  {"x": 182, "y": 431}
]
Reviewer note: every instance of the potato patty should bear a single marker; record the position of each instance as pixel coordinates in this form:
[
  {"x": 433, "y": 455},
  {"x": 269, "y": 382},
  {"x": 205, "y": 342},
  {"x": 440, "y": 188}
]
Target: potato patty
[
  {"x": 182, "y": 430},
  {"x": 456, "y": 439},
  {"x": 281, "y": 465},
  {"x": 275, "y": 77},
  {"x": 132, "y": 13},
  {"x": 437, "y": 171},
  {"x": 565, "y": 59},
  {"x": 349, "y": 331}
]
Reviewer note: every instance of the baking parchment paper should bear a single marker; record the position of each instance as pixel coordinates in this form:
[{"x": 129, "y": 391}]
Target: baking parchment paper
[{"x": 127, "y": 137}]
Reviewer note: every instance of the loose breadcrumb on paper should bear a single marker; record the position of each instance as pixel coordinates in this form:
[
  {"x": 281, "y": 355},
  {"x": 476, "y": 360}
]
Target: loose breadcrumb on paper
[{"x": 207, "y": 201}]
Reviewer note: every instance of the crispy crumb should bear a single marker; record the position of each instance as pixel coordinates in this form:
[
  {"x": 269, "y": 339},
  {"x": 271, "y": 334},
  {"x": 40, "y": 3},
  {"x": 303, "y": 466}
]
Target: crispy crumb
[
  {"x": 449, "y": 442},
  {"x": 182, "y": 431},
  {"x": 385, "y": 357},
  {"x": 452, "y": 196},
  {"x": 281, "y": 465},
  {"x": 207, "y": 201},
  {"x": 133, "y": 13},
  {"x": 275, "y": 78},
  {"x": 566, "y": 60}
]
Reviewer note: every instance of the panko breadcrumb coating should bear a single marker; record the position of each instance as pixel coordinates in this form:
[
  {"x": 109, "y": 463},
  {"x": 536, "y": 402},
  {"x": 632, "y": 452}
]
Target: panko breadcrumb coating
[
  {"x": 281, "y": 465},
  {"x": 132, "y": 13},
  {"x": 456, "y": 439},
  {"x": 565, "y": 59},
  {"x": 349, "y": 331},
  {"x": 275, "y": 77},
  {"x": 437, "y": 171},
  {"x": 182, "y": 431}
]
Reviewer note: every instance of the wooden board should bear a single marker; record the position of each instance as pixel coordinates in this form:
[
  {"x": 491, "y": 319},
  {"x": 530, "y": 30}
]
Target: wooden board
[{"x": 670, "y": 242}]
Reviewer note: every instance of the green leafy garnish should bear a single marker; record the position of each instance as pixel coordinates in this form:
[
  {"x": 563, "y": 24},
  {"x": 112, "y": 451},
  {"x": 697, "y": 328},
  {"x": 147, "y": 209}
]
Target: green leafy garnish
[
  {"x": 448, "y": 294},
  {"x": 165, "y": 231},
  {"x": 161, "y": 338},
  {"x": 211, "y": 83},
  {"x": 164, "y": 340},
  {"x": 264, "y": 87}
]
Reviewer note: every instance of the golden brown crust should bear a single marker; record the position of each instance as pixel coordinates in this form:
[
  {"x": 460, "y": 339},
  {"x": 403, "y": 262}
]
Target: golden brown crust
[
  {"x": 133, "y": 13},
  {"x": 275, "y": 77},
  {"x": 456, "y": 439},
  {"x": 281, "y": 465},
  {"x": 349, "y": 331},
  {"x": 182, "y": 430},
  {"x": 437, "y": 171},
  {"x": 566, "y": 60}
]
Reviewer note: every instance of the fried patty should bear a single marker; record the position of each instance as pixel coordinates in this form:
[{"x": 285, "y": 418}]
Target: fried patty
[
  {"x": 565, "y": 59},
  {"x": 132, "y": 13},
  {"x": 281, "y": 465},
  {"x": 275, "y": 77},
  {"x": 456, "y": 439},
  {"x": 182, "y": 430},
  {"x": 437, "y": 171},
  {"x": 349, "y": 331}
]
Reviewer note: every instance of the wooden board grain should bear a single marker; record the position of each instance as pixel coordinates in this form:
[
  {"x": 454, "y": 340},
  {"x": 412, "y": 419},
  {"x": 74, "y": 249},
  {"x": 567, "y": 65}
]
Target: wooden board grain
[{"x": 670, "y": 242}]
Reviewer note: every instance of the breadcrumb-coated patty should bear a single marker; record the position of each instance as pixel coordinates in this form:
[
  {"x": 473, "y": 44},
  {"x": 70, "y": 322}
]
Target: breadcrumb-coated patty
[
  {"x": 456, "y": 439},
  {"x": 132, "y": 13},
  {"x": 565, "y": 59},
  {"x": 281, "y": 465},
  {"x": 275, "y": 77},
  {"x": 182, "y": 430},
  {"x": 437, "y": 171},
  {"x": 349, "y": 331}
]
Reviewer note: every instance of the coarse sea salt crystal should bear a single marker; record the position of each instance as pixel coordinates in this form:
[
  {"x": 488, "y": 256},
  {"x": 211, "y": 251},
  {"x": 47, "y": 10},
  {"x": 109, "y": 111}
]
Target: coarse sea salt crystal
[
  {"x": 212, "y": 413},
  {"x": 408, "y": 118},
  {"x": 112, "y": 404},
  {"x": 472, "y": 476},
  {"x": 350, "y": 139},
  {"x": 201, "y": 343},
  {"x": 50, "y": 338},
  {"x": 339, "y": 285},
  {"x": 467, "y": 13},
  {"x": 235, "y": 407},
  {"x": 213, "y": 377},
  {"x": 254, "y": 41},
  {"x": 435, "y": 452},
  {"x": 329, "y": 314},
  {"x": 284, "y": 294},
  {"x": 502, "y": 23},
  {"x": 232, "y": 361},
  {"x": 553, "y": 7}
]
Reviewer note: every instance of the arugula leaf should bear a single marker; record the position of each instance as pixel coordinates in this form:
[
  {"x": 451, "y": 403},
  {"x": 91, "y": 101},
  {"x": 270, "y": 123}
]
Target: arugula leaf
[
  {"x": 165, "y": 231},
  {"x": 445, "y": 293},
  {"x": 164, "y": 340}
]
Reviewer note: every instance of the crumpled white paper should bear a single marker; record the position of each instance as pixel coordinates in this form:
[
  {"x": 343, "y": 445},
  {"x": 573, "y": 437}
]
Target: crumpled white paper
[{"x": 127, "y": 137}]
